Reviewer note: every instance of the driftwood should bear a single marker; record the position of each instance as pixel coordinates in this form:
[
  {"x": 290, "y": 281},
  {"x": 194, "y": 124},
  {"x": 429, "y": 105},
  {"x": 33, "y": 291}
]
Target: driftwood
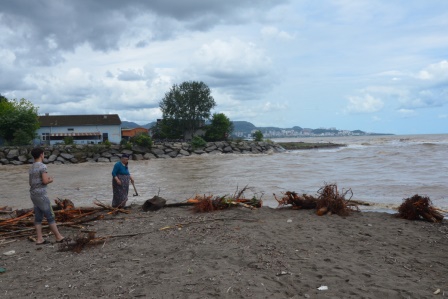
[
  {"x": 22, "y": 225},
  {"x": 212, "y": 203},
  {"x": 329, "y": 201},
  {"x": 296, "y": 201},
  {"x": 419, "y": 208},
  {"x": 206, "y": 203},
  {"x": 154, "y": 204}
]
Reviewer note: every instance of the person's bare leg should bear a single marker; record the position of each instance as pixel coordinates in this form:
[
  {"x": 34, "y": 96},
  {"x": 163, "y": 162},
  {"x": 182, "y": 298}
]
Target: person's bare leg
[
  {"x": 55, "y": 231},
  {"x": 40, "y": 237}
]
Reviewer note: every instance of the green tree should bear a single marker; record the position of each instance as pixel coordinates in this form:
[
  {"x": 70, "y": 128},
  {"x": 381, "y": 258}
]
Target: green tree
[
  {"x": 189, "y": 104},
  {"x": 258, "y": 136},
  {"x": 18, "y": 121},
  {"x": 142, "y": 139},
  {"x": 220, "y": 128},
  {"x": 167, "y": 128}
]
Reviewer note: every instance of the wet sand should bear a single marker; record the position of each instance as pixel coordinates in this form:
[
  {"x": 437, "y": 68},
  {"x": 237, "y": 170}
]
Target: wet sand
[{"x": 236, "y": 253}]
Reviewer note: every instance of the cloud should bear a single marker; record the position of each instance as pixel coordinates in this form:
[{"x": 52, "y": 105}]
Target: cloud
[
  {"x": 131, "y": 75},
  {"x": 272, "y": 32},
  {"x": 238, "y": 68},
  {"x": 364, "y": 104},
  {"x": 48, "y": 27}
]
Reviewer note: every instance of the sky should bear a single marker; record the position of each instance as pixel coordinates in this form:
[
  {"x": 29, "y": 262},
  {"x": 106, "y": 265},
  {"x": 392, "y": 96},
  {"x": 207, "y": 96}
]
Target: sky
[{"x": 373, "y": 65}]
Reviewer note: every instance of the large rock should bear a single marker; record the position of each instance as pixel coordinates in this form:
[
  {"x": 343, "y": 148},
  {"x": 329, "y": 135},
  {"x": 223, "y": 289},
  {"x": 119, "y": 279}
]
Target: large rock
[
  {"x": 227, "y": 149},
  {"x": 184, "y": 152},
  {"x": 158, "y": 152},
  {"x": 173, "y": 154},
  {"x": 211, "y": 148},
  {"x": 22, "y": 158},
  {"x": 52, "y": 158},
  {"x": 106, "y": 155},
  {"x": 67, "y": 156},
  {"x": 14, "y": 153},
  {"x": 140, "y": 149}
]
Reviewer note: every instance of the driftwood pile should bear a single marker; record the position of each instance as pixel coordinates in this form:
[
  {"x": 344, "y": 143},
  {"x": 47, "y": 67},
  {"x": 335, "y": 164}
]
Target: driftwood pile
[
  {"x": 207, "y": 203},
  {"x": 20, "y": 223},
  {"x": 329, "y": 201},
  {"x": 419, "y": 208}
]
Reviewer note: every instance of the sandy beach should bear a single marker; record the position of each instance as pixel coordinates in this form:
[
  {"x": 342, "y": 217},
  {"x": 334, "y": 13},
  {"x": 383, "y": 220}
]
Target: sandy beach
[{"x": 236, "y": 253}]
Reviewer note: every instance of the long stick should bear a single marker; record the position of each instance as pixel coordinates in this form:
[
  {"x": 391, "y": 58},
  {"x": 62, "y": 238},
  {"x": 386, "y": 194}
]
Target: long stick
[{"x": 136, "y": 193}]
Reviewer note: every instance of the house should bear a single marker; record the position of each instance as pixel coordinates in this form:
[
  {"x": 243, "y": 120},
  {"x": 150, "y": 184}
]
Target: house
[
  {"x": 85, "y": 129},
  {"x": 128, "y": 133}
]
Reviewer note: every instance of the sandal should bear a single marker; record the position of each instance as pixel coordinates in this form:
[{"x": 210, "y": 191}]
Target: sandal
[{"x": 44, "y": 242}]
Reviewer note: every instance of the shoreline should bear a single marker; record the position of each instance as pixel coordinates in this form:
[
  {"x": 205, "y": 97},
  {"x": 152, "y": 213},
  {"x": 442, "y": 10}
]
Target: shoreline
[{"x": 236, "y": 253}]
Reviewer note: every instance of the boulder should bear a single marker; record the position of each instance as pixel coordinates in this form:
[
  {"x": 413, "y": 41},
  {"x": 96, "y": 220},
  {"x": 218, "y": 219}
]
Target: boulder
[
  {"x": 52, "y": 158},
  {"x": 67, "y": 156},
  {"x": 14, "y": 153}
]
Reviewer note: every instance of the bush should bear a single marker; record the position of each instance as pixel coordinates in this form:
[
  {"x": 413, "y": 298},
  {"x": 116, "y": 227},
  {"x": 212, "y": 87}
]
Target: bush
[
  {"x": 142, "y": 139},
  {"x": 68, "y": 140},
  {"x": 198, "y": 142},
  {"x": 107, "y": 143}
]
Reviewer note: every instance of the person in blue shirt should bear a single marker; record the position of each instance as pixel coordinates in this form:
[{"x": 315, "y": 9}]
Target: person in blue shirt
[{"x": 120, "y": 182}]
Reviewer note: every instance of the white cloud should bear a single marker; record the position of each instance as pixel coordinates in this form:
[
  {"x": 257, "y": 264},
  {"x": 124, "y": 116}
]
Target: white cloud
[
  {"x": 364, "y": 104},
  {"x": 435, "y": 72},
  {"x": 235, "y": 67},
  {"x": 274, "y": 33}
]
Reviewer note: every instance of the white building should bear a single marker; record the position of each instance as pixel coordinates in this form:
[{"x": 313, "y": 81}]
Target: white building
[{"x": 85, "y": 129}]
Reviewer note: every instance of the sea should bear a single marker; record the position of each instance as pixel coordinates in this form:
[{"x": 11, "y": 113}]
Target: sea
[{"x": 381, "y": 170}]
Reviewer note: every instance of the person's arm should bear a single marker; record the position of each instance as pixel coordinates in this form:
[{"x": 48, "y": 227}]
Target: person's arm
[
  {"x": 115, "y": 173},
  {"x": 46, "y": 179}
]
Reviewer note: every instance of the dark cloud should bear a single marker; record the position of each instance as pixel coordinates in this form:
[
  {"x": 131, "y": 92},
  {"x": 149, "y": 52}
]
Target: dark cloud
[
  {"x": 130, "y": 75},
  {"x": 47, "y": 26}
]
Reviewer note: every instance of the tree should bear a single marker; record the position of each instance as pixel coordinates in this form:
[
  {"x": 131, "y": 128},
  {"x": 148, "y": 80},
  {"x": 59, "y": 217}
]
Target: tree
[
  {"x": 167, "y": 129},
  {"x": 258, "y": 136},
  {"x": 18, "y": 121},
  {"x": 220, "y": 128},
  {"x": 189, "y": 104}
]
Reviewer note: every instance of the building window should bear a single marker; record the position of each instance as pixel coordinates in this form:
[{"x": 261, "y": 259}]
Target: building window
[
  {"x": 70, "y": 129},
  {"x": 45, "y": 136}
]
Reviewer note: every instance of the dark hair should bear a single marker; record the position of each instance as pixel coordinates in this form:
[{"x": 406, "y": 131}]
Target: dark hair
[
  {"x": 36, "y": 152},
  {"x": 125, "y": 156}
]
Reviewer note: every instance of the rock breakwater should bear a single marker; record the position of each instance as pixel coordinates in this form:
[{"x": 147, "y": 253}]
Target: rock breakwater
[{"x": 69, "y": 154}]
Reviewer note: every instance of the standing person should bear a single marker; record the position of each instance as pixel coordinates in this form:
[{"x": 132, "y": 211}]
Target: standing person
[
  {"x": 120, "y": 182},
  {"x": 39, "y": 179}
]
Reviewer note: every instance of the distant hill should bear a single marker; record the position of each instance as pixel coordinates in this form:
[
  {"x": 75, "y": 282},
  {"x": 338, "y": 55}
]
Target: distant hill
[
  {"x": 243, "y": 126},
  {"x": 132, "y": 125}
]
